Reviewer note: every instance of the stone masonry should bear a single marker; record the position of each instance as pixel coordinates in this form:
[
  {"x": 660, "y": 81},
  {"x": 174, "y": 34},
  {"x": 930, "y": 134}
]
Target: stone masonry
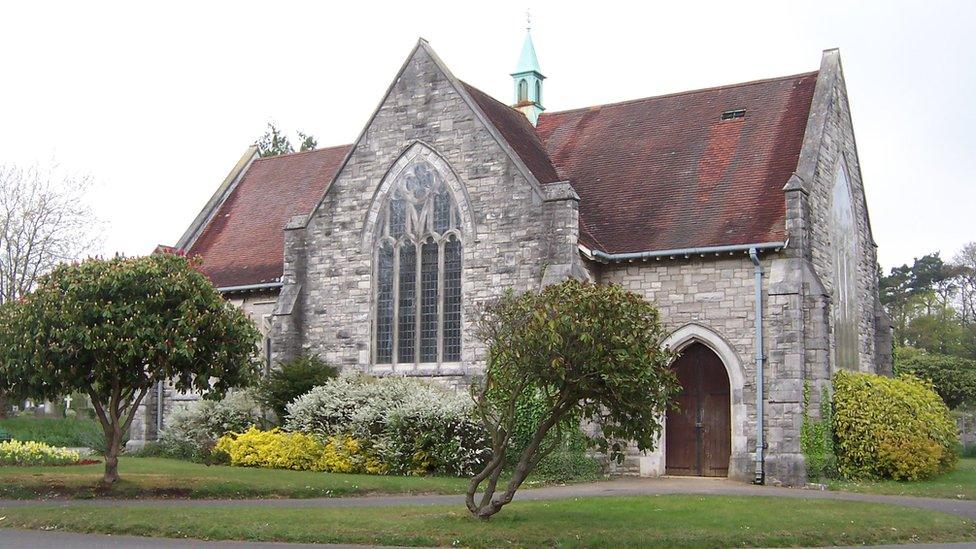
[{"x": 519, "y": 234}]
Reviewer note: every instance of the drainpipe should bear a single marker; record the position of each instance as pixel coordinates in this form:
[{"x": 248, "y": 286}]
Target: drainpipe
[
  {"x": 760, "y": 446},
  {"x": 159, "y": 408}
]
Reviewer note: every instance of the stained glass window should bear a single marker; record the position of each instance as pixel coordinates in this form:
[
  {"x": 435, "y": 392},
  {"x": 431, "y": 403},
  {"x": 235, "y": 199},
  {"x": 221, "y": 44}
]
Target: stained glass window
[
  {"x": 406, "y": 319},
  {"x": 428, "y": 311},
  {"x": 418, "y": 272},
  {"x": 452, "y": 299},
  {"x": 384, "y": 304}
]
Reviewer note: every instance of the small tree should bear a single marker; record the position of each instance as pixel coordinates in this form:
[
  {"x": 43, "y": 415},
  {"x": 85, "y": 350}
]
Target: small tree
[
  {"x": 113, "y": 328},
  {"x": 590, "y": 352},
  {"x": 292, "y": 380}
]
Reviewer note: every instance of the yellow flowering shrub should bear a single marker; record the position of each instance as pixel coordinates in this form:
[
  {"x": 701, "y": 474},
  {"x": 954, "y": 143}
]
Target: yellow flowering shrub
[
  {"x": 277, "y": 449},
  {"x": 15, "y": 452},
  {"x": 891, "y": 428}
]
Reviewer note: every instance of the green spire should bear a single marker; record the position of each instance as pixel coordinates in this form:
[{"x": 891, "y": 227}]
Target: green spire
[
  {"x": 528, "y": 80},
  {"x": 527, "y": 61}
]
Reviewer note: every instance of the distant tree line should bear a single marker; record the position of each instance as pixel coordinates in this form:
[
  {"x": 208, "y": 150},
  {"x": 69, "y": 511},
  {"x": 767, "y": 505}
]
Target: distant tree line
[{"x": 932, "y": 305}]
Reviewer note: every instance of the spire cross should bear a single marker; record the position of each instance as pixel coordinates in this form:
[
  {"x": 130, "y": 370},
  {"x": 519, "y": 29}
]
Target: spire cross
[{"x": 528, "y": 20}]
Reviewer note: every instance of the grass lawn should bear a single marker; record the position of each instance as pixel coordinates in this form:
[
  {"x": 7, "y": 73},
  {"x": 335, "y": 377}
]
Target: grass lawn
[
  {"x": 652, "y": 521},
  {"x": 53, "y": 431},
  {"x": 175, "y": 478},
  {"x": 958, "y": 484}
]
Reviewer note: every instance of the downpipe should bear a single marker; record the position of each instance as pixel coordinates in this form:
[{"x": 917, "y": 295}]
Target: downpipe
[
  {"x": 760, "y": 377},
  {"x": 159, "y": 408}
]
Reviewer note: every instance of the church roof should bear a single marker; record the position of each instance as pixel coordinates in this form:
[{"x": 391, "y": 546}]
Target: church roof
[
  {"x": 518, "y": 132},
  {"x": 694, "y": 169},
  {"x": 243, "y": 243},
  {"x": 684, "y": 170}
]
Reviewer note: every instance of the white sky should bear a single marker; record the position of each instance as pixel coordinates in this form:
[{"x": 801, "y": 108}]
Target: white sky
[{"x": 158, "y": 102}]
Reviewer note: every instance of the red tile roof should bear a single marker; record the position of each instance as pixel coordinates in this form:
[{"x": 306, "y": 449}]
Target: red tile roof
[
  {"x": 659, "y": 173},
  {"x": 243, "y": 243},
  {"x": 667, "y": 172}
]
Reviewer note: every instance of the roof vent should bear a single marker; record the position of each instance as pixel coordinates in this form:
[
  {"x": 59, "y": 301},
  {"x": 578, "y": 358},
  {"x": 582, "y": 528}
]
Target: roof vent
[{"x": 734, "y": 113}]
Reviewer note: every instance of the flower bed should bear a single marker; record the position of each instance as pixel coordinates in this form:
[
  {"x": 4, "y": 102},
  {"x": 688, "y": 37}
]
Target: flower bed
[
  {"x": 15, "y": 452},
  {"x": 277, "y": 449}
]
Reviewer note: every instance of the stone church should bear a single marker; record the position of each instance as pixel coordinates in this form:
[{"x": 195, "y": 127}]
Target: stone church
[{"x": 739, "y": 211}]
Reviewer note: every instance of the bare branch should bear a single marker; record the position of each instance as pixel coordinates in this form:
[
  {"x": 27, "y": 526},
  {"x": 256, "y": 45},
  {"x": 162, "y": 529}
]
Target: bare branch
[{"x": 44, "y": 220}]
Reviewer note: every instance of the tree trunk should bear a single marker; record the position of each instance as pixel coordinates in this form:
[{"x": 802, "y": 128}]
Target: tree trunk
[{"x": 112, "y": 447}]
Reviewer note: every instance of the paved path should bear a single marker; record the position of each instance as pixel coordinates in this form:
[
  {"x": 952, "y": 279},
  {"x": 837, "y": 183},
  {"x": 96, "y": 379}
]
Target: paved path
[
  {"x": 17, "y": 539},
  {"x": 617, "y": 487}
]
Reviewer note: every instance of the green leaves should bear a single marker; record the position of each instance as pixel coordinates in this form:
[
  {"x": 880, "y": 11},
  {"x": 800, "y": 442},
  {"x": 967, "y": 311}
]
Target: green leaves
[
  {"x": 125, "y": 323},
  {"x": 594, "y": 348},
  {"x": 891, "y": 428}
]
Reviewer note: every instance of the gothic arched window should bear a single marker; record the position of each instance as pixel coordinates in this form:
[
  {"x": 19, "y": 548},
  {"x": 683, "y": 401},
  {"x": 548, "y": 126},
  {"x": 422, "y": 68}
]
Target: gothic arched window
[
  {"x": 523, "y": 91},
  {"x": 418, "y": 271},
  {"x": 538, "y": 92}
]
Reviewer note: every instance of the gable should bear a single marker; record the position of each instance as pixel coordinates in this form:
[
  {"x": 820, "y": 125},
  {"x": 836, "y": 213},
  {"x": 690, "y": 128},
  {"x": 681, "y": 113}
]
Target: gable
[{"x": 668, "y": 173}]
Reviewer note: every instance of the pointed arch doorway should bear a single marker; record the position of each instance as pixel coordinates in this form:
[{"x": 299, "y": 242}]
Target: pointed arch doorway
[{"x": 698, "y": 435}]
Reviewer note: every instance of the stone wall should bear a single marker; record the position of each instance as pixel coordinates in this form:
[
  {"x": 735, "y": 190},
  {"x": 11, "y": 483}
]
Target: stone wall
[
  {"x": 830, "y": 146},
  {"x": 713, "y": 300}
]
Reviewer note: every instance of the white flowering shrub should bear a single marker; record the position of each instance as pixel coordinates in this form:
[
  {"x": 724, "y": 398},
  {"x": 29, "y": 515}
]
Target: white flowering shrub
[
  {"x": 192, "y": 433},
  {"x": 413, "y": 426}
]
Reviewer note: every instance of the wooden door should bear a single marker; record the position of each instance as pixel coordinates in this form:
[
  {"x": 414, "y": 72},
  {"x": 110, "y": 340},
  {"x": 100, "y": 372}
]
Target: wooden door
[{"x": 698, "y": 439}]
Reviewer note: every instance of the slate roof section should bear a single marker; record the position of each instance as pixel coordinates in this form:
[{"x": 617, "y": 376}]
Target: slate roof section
[
  {"x": 667, "y": 172},
  {"x": 518, "y": 132},
  {"x": 243, "y": 243}
]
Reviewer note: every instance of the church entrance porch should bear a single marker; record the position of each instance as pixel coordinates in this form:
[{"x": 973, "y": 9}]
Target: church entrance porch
[{"x": 698, "y": 433}]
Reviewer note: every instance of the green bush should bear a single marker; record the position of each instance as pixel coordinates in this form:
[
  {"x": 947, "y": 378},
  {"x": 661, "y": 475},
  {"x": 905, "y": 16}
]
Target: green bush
[
  {"x": 71, "y": 433},
  {"x": 292, "y": 380},
  {"x": 891, "y": 428},
  {"x": 953, "y": 377}
]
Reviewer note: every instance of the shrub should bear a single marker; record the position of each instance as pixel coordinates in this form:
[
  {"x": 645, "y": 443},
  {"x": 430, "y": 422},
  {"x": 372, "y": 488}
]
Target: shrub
[
  {"x": 192, "y": 433},
  {"x": 953, "y": 377},
  {"x": 411, "y": 425},
  {"x": 570, "y": 461},
  {"x": 277, "y": 449},
  {"x": 891, "y": 428},
  {"x": 432, "y": 432},
  {"x": 292, "y": 380},
  {"x": 30, "y": 453}
]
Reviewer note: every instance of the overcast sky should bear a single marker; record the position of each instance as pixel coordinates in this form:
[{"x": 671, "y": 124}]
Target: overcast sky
[{"x": 157, "y": 103}]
